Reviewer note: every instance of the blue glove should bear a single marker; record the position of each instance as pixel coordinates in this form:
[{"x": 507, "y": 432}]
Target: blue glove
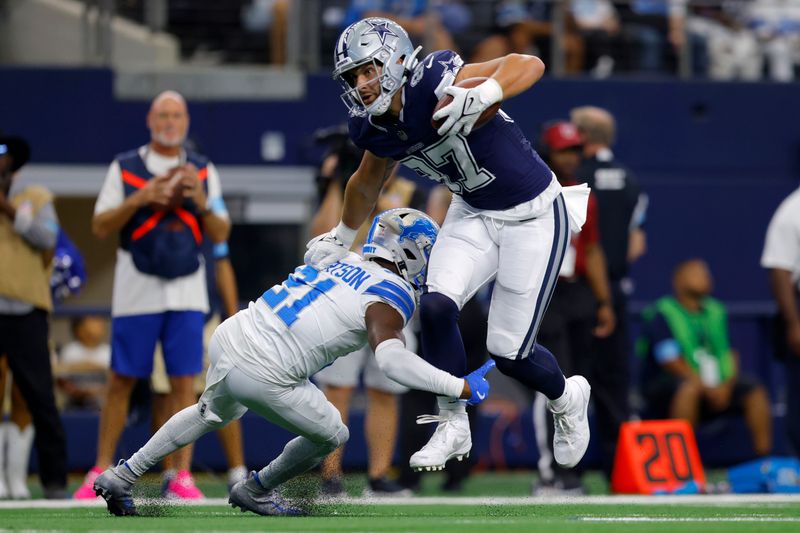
[{"x": 478, "y": 384}]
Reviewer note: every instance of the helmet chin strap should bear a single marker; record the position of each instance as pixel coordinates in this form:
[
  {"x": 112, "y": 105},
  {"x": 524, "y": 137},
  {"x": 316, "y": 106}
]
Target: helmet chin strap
[
  {"x": 409, "y": 63},
  {"x": 401, "y": 266}
]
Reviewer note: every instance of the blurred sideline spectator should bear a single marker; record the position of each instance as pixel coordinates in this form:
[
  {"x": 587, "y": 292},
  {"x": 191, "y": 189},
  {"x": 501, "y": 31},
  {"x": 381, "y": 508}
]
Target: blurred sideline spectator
[
  {"x": 580, "y": 307},
  {"x": 339, "y": 380},
  {"x": 598, "y": 23},
  {"x": 526, "y": 27},
  {"x": 28, "y": 234},
  {"x": 730, "y": 46},
  {"x": 777, "y": 26},
  {"x": 83, "y": 363},
  {"x": 163, "y": 200},
  {"x": 269, "y": 16},
  {"x": 621, "y": 213},
  {"x": 223, "y": 300},
  {"x": 16, "y": 439},
  {"x": 782, "y": 257},
  {"x": 431, "y": 23},
  {"x": 69, "y": 270},
  {"x": 651, "y": 25},
  {"x": 690, "y": 371}
]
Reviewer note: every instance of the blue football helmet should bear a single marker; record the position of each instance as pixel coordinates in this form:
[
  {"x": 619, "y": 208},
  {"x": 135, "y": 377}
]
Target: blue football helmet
[
  {"x": 405, "y": 237},
  {"x": 382, "y": 42}
]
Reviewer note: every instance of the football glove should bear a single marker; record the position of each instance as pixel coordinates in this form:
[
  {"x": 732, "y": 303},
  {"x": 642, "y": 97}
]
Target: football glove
[
  {"x": 324, "y": 250},
  {"x": 478, "y": 384},
  {"x": 467, "y": 106}
]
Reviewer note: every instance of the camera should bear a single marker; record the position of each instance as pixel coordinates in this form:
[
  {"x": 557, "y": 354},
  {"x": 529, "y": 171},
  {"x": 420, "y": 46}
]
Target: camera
[{"x": 337, "y": 141}]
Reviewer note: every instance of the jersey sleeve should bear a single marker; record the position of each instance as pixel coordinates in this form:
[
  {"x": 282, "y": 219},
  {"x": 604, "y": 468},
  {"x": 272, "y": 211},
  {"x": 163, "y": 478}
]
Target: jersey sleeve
[
  {"x": 358, "y": 128},
  {"x": 433, "y": 75},
  {"x": 112, "y": 194},
  {"x": 215, "y": 202},
  {"x": 394, "y": 293}
]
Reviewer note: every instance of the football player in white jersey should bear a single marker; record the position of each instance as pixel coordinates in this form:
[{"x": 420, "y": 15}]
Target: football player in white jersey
[{"x": 261, "y": 359}]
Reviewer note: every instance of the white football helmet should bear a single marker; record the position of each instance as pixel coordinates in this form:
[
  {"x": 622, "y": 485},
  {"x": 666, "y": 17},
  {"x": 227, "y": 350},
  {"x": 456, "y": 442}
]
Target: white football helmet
[
  {"x": 405, "y": 237},
  {"x": 383, "y": 43}
]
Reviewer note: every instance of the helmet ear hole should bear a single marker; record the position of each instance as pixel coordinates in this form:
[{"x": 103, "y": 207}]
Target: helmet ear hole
[{"x": 409, "y": 254}]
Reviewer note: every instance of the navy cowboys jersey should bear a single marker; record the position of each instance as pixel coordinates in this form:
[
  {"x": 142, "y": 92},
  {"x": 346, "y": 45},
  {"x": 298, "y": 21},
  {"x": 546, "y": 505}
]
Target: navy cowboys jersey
[{"x": 494, "y": 168}]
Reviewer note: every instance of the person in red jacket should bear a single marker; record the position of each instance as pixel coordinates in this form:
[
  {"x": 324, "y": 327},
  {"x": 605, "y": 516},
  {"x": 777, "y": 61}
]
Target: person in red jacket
[{"x": 581, "y": 305}]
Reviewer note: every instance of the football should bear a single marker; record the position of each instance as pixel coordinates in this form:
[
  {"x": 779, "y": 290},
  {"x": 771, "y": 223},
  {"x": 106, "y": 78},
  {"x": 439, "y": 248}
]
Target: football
[
  {"x": 468, "y": 83},
  {"x": 175, "y": 190}
]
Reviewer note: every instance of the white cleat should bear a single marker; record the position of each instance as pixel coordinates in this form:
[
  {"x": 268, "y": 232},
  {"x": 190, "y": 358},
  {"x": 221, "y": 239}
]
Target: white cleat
[
  {"x": 451, "y": 440},
  {"x": 572, "y": 424}
]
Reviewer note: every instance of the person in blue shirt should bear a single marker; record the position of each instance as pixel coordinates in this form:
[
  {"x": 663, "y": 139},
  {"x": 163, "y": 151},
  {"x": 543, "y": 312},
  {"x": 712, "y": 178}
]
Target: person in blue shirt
[{"x": 509, "y": 220}]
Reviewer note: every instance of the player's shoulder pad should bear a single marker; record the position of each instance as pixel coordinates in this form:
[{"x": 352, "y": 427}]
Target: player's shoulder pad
[
  {"x": 395, "y": 291},
  {"x": 353, "y": 257},
  {"x": 436, "y": 72}
]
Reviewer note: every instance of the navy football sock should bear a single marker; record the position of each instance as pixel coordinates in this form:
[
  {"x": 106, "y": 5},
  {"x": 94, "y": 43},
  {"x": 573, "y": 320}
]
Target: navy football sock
[
  {"x": 441, "y": 339},
  {"x": 539, "y": 371}
]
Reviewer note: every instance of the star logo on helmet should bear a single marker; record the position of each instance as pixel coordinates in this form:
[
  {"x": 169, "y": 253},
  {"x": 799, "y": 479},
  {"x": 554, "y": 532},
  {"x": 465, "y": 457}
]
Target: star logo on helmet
[{"x": 381, "y": 29}]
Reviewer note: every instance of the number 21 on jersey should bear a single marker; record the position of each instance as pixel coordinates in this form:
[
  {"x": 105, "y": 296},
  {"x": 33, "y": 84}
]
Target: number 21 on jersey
[{"x": 287, "y": 309}]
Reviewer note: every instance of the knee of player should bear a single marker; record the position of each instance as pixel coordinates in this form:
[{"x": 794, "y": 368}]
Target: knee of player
[
  {"x": 339, "y": 438},
  {"x": 215, "y": 424},
  {"x": 500, "y": 346},
  {"x": 210, "y": 419},
  {"x": 436, "y": 308},
  {"x": 504, "y": 364}
]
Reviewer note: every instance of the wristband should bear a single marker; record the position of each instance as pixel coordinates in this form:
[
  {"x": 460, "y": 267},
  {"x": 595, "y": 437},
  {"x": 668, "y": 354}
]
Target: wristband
[
  {"x": 345, "y": 234},
  {"x": 491, "y": 91}
]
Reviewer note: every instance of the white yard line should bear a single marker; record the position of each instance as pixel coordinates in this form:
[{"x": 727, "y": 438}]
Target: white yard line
[
  {"x": 663, "y": 519},
  {"x": 715, "y": 499}
]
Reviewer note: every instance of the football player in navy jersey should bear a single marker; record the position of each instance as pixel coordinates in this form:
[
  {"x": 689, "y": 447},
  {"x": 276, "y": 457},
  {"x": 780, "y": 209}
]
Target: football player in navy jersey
[{"x": 509, "y": 220}]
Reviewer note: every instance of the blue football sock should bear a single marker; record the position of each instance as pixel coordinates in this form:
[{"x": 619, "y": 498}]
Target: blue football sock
[
  {"x": 441, "y": 339},
  {"x": 539, "y": 371}
]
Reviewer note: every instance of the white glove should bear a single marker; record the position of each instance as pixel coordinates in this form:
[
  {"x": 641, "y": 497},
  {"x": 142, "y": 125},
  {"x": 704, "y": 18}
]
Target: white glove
[
  {"x": 324, "y": 250},
  {"x": 467, "y": 106}
]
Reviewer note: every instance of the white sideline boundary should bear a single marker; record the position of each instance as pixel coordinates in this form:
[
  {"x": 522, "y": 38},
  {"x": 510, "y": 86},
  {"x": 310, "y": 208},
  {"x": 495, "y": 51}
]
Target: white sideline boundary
[
  {"x": 667, "y": 520},
  {"x": 744, "y": 500}
]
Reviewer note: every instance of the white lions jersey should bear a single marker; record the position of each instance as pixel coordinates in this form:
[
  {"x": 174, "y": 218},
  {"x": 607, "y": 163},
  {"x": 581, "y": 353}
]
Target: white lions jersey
[{"x": 305, "y": 323}]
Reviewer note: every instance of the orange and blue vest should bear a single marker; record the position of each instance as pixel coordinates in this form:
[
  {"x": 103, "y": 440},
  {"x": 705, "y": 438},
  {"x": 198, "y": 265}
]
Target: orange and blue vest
[{"x": 164, "y": 243}]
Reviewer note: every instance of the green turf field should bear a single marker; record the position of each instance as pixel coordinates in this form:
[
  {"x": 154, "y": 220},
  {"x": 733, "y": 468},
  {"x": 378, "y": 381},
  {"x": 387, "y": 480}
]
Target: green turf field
[
  {"x": 508, "y": 509},
  {"x": 561, "y": 518}
]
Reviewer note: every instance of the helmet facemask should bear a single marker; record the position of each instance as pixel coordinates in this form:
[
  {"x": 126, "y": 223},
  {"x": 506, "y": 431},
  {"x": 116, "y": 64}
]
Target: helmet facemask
[{"x": 352, "y": 97}]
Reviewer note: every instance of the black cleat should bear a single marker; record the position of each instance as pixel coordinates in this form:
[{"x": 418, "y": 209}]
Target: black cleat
[
  {"x": 116, "y": 492},
  {"x": 248, "y": 495}
]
